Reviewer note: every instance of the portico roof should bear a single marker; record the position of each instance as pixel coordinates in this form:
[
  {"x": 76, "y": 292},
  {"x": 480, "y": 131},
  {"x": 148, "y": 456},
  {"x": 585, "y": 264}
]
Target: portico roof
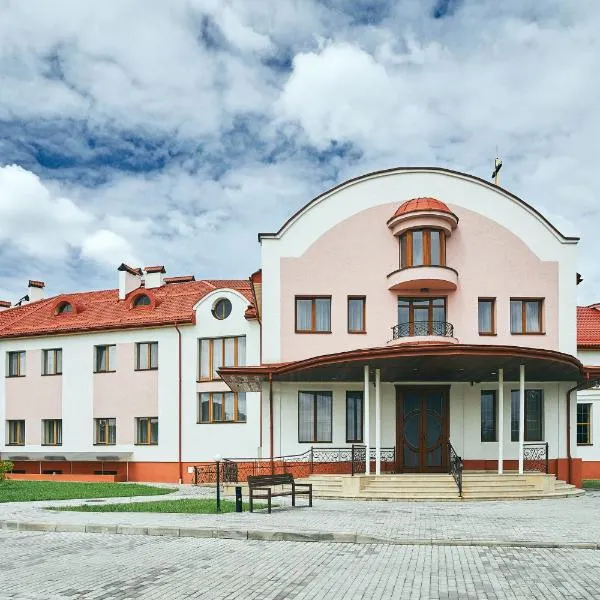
[{"x": 415, "y": 362}]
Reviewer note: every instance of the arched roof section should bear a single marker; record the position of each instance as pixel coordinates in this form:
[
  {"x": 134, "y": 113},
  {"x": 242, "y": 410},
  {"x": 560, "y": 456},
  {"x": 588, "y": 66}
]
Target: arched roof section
[{"x": 457, "y": 175}]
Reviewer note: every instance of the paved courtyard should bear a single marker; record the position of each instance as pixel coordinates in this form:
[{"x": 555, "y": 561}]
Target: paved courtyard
[{"x": 49, "y": 566}]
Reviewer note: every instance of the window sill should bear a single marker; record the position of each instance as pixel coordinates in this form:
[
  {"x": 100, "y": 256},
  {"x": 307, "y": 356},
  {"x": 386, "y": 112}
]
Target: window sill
[
  {"x": 208, "y": 380},
  {"x": 357, "y": 332},
  {"x": 312, "y": 332},
  {"x": 587, "y": 444},
  {"x": 53, "y": 445},
  {"x": 149, "y": 369},
  {"x": 352, "y": 442},
  {"x": 50, "y": 374},
  {"x": 527, "y": 333},
  {"x": 14, "y": 376},
  {"x": 487, "y": 334},
  {"x": 102, "y": 372},
  {"x": 103, "y": 444},
  {"x": 489, "y": 441},
  {"x": 15, "y": 444},
  {"x": 142, "y": 444},
  {"x": 316, "y": 442},
  {"x": 221, "y": 422}
]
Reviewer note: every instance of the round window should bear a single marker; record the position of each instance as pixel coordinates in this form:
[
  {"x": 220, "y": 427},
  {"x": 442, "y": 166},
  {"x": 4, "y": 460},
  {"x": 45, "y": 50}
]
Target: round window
[{"x": 221, "y": 309}]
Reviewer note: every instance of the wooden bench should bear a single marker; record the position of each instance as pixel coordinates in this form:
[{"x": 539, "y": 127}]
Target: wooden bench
[{"x": 264, "y": 483}]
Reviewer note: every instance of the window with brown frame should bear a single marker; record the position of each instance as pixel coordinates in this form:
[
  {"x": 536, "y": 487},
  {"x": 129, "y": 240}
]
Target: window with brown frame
[
  {"x": 51, "y": 432},
  {"x": 534, "y": 415},
  {"x": 526, "y": 315},
  {"x": 105, "y": 359},
  {"x": 15, "y": 364},
  {"x": 16, "y": 433},
  {"x": 354, "y": 416},
  {"x": 357, "y": 317},
  {"x": 486, "y": 316},
  {"x": 146, "y": 430},
  {"x": 313, "y": 314},
  {"x": 315, "y": 417},
  {"x": 220, "y": 352},
  {"x": 421, "y": 247},
  {"x": 222, "y": 407},
  {"x": 52, "y": 362},
  {"x": 146, "y": 356},
  {"x": 105, "y": 431},
  {"x": 421, "y": 316}
]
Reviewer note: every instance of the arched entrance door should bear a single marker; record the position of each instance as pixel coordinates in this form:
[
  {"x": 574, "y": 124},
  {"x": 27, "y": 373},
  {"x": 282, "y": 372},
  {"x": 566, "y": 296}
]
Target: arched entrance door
[{"x": 422, "y": 429}]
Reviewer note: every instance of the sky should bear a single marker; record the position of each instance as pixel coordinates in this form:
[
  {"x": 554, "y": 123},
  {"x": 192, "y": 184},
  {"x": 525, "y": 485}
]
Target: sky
[{"x": 154, "y": 132}]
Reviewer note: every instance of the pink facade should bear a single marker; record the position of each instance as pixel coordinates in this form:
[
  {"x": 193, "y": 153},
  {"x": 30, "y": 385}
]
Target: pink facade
[
  {"x": 33, "y": 397},
  {"x": 125, "y": 394},
  {"x": 490, "y": 260}
]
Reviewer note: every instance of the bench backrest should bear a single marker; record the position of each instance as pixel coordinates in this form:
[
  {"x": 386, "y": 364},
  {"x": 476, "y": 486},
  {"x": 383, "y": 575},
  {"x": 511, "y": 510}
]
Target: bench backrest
[{"x": 267, "y": 480}]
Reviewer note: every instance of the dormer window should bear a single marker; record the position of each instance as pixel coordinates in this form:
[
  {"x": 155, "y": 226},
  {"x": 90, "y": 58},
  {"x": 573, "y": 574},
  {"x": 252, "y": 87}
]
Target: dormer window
[
  {"x": 64, "y": 308},
  {"x": 141, "y": 300},
  {"x": 423, "y": 247}
]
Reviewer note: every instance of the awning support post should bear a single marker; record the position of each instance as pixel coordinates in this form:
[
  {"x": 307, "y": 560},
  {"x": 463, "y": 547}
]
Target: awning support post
[
  {"x": 521, "y": 416},
  {"x": 367, "y": 424},
  {"x": 377, "y": 421},
  {"x": 500, "y": 418}
]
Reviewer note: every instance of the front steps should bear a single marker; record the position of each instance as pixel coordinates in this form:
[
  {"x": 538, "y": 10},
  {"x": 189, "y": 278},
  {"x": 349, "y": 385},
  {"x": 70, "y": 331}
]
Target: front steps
[{"x": 441, "y": 487}]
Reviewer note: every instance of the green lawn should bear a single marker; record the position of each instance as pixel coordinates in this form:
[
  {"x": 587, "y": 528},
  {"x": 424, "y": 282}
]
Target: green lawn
[
  {"x": 25, "y": 491},
  {"x": 204, "y": 505},
  {"x": 591, "y": 484}
]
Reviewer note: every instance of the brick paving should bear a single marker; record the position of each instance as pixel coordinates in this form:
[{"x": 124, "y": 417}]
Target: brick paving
[
  {"x": 552, "y": 520},
  {"x": 53, "y": 566}
]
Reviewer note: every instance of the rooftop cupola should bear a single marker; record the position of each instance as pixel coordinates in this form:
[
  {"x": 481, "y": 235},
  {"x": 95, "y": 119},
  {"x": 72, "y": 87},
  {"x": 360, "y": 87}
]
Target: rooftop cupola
[{"x": 423, "y": 212}]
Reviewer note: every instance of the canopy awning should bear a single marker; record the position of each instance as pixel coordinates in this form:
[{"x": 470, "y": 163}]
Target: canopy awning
[{"x": 415, "y": 362}]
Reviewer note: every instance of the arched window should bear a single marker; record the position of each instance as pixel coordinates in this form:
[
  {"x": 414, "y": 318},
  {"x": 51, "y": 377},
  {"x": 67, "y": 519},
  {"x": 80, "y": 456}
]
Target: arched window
[
  {"x": 141, "y": 300},
  {"x": 221, "y": 309},
  {"x": 421, "y": 247},
  {"x": 63, "y": 308}
]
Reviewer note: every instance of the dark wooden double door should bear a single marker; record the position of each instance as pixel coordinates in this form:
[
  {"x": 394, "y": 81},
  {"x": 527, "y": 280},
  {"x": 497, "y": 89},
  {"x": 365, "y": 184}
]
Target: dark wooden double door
[{"x": 422, "y": 416}]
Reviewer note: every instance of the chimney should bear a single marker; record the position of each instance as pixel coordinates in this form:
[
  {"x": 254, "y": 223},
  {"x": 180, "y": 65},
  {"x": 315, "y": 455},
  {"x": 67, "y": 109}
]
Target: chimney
[
  {"x": 154, "y": 276},
  {"x": 129, "y": 279},
  {"x": 35, "y": 290},
  {"x": 4, "y": 304}
]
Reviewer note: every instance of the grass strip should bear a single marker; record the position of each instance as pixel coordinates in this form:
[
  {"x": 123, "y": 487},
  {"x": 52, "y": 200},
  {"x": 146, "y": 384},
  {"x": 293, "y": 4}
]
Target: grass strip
[
  {"x": 28, "y": 491},
  {"x": 187, "y": 505}
]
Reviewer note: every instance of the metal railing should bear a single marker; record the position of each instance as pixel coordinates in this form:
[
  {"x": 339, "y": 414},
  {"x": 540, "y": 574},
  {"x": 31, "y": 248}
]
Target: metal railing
[
  {"x": 316, "y": 460},
  {"x": 535, "y": 457},
  {"x": 420, "y": 328},
  {"x": 455, "y": 467}
]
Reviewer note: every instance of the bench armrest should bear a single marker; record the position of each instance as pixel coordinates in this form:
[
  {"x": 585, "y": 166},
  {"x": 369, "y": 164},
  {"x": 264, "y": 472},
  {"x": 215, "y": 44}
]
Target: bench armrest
[
  {"x": 261, "y": 489},
  {"x": 304, "y": 485}
]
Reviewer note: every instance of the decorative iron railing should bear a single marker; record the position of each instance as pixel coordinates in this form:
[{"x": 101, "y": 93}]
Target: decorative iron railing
[
  {"x": 535, "y": 457},
  {"x": 350, "y": 459},
  {"x": 455, "y": 467},
  {"x": 420, "y": 328}
]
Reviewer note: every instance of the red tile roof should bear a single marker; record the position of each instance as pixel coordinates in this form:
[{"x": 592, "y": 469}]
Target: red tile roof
[
  {"x": 588, "y": 326},
  {"x": 421, "y": 204},
  {"x": 36, "y": 284},
  {"x": 156, "y": 269},
  {"x": 103, "y": 310},
  {"x": 179, "y": 279},
  {"x": 131, "y": 270}
]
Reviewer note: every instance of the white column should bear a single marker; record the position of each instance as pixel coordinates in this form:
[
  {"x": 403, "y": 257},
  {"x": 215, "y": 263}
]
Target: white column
[
  {"x": 500, "y": 421},
  {"x": 367, "y": 424},
  {"x": 521, "y": 416},
  {"x": 377, "y": 422}
]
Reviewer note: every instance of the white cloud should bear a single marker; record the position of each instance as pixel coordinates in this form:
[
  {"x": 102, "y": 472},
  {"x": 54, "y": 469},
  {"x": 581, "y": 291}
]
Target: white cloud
[{"x": 108, "y": 248}]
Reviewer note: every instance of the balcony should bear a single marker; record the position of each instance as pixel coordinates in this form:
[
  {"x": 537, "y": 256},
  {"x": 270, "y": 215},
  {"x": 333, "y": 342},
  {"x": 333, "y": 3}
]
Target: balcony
[
  {"x": 431, "y": 278},
  {"x": 439, "y": 332}
]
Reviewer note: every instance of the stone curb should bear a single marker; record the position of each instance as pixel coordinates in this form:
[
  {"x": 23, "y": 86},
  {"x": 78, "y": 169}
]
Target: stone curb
[{"x": 266, "y": 535}]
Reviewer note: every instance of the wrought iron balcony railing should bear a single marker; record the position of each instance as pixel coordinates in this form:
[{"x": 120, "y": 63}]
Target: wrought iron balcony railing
[{"x": 416, "y": 328}]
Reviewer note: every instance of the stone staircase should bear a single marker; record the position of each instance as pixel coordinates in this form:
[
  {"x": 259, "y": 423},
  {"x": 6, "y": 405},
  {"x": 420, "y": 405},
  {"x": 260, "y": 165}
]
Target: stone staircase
[{"x": 440, "y": 487}]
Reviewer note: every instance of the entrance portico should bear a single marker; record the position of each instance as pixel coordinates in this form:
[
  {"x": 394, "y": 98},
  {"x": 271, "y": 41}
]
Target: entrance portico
[{"x": 419, "y": 397}]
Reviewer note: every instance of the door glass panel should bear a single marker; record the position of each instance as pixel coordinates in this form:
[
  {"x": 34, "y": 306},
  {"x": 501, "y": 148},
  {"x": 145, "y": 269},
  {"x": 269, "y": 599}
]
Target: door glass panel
[{"x": 434, "y": 458}]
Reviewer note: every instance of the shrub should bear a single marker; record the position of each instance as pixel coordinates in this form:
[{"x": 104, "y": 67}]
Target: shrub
[{"x": 5, "y": 467}]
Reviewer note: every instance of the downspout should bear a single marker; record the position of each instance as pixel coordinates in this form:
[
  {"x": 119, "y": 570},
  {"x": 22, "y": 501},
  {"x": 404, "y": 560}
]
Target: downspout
[
  {"x": 180, "y": 465},
  {"x": 271, "y": 442}
]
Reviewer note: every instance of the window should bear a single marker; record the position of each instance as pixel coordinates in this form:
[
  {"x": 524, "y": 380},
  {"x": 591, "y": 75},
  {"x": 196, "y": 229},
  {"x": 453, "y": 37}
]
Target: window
[
  {"x": 222, "y": 407},
  {"x": 421, "y": 316},
  {"x": 105, "y": 359},
  {"x": 526, "y": 316},
  {"x": 52, "y": 362},
  {"x": 146, "y": 431},
  {"x": 354, "y": 417},
  {"x": 63, "y": 308},
  {"x": 222, "y": 309},
  {"x": 16, "y": 364},
  {"x": 221, "y": 352},
  {"x": 141, "y": 300},
  {"x": 314, "y": 416},
  {"x": 16, "y": 433},
  {"x": 51, "y": 432},
  {"x": 313, "y": 314},
  {"x": 356, "y": 314},
  {"x": 146, "y": 356},
  {"x": 534, "y": 415},
  {"x": 488, "y": 416},
  {"x": 487, "y": 316},
  {"x": 584, "y": 424},
  {"x": 105, "y": 431},
  {"x": 421, "y": 247}
]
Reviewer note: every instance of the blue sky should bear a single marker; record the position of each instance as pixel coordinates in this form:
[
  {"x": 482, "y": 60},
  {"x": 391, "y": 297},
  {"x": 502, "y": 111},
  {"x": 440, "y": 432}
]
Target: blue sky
[{"x": 172, "y": 132}]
